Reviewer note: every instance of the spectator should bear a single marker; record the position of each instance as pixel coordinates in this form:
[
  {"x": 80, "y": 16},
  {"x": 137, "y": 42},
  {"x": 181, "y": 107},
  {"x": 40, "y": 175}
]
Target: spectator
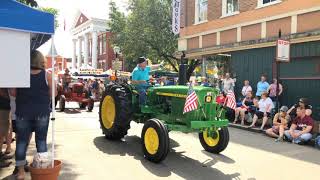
[
  {"x": 262, "y": 86},
  {"x": 220, "y": 99},
  {"x": 246, "y": 104},
  {"x": 228, "y": 83},
  {"x": 300, "y": 130},
  {"x": 4, "y": 124},
  {"x": 272, "y": 90},
  {"x": 265, "y": 106},
  {"x": 246, "y": 88},
  {"x": 304, "y": 104},
  {"x": 280, "y": 124},
  {"x": 33, "y": 111}
]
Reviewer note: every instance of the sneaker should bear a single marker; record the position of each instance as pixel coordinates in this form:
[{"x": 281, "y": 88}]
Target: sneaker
[{"x": 279, "y": 139}]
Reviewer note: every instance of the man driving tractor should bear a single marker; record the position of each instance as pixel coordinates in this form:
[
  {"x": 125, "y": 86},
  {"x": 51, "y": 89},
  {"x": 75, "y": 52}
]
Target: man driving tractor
[
  {"x": 140, "y": 77},
  {"x": 66, "y": 79}
]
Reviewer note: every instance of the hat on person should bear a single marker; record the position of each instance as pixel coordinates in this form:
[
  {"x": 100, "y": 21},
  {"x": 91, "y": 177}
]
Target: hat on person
[
  {"x": 141, "y": 60},
  {"x": 304, "y": 101},
  {"x": 284, "y": 109}
]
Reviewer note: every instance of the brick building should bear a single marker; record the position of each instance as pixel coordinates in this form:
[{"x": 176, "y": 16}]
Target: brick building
[
  {"x": 61, "y": 62},
  {"x": 247, "y": 31}
]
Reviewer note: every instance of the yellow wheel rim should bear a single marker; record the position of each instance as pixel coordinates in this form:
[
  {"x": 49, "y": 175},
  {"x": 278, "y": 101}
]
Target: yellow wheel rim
[
  {"x": 108, "y": 112},
  {"x": 209, "y": 140},
  {"x": 151, "y": 140}
]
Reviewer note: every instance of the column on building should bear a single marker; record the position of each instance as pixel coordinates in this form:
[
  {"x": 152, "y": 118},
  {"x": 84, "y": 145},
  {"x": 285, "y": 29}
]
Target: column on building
[
  {"x": 74, "y": 55},
  {"x": 79, "y": 53},
  {"x": 86, "y": 50},
  {"x": 94, "y": 49}
]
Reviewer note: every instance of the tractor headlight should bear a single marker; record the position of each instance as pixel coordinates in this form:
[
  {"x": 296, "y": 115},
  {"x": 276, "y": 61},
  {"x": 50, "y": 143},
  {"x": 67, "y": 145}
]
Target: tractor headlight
[{"x": 208, "y": 99}]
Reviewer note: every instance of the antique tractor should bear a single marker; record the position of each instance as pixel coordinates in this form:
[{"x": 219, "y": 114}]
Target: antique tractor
[
  {"x": 163, "y": 113},
  {"x": 75, "y": 93}
]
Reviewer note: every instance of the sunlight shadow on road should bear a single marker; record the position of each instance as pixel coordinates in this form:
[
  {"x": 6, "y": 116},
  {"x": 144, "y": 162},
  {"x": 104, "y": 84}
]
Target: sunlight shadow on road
[{"x": 176, "y": 162}]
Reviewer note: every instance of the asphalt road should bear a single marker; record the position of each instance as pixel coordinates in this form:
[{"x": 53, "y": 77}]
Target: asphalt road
[{"x": 87, "y": 155}]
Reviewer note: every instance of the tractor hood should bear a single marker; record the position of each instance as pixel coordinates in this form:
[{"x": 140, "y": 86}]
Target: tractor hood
[{"x": 182, "y": 91}]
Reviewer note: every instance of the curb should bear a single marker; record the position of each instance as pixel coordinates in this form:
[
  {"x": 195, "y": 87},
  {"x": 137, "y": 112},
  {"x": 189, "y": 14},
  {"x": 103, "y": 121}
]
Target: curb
[
  {"x": 238, "y": 126},
  {"x": 257, "y": 130}
]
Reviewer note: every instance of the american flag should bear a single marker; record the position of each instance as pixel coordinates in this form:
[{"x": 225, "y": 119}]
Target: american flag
[
  {"x": 231, "y": 100},
  {"x": 191, "y": 101}
]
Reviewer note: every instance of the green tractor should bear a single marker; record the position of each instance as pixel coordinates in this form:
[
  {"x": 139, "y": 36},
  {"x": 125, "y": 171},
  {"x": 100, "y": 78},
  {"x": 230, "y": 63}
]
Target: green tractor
[{"x": 163, "y": 113}]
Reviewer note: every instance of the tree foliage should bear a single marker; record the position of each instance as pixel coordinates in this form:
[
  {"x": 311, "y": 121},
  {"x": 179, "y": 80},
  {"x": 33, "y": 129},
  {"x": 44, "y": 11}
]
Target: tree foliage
[
  {"x": 146, "y": 31},
  {"x": 32, "y": 3}
]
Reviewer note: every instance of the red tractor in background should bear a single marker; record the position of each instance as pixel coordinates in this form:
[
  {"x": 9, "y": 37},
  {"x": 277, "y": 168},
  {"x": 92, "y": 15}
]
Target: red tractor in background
[{"x": 75, "y": 92}]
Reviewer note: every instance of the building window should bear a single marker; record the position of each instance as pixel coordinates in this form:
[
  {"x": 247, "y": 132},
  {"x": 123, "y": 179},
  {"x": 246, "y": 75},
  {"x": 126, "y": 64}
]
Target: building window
[
  {"x": 201, "y": 11},
  {"x": 230, "y": 7},
  {"x": 264, "y": 3}
]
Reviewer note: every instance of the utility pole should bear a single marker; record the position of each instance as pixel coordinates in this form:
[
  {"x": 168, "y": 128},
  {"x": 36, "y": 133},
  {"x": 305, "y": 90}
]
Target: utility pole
[{"x": 278, "y": 74}]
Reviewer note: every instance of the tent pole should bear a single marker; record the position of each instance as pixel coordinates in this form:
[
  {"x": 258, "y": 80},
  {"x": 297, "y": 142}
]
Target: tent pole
[{"x": 53, "y": 99}]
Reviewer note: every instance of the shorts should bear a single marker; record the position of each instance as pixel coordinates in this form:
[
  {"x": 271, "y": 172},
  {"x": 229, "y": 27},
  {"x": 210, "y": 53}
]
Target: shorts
[
  {"x": 275, "y": 129},
  {"x": 261, "y": 114},
  {"x": 4, "y": 122}
]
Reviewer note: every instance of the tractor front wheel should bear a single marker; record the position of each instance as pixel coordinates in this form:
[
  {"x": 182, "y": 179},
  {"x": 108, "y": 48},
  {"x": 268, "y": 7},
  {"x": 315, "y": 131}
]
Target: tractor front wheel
[
  {"x": 216, "y": 141},
  {"x": 62, "y": 103},
  {"x": 155, "y": 140}
]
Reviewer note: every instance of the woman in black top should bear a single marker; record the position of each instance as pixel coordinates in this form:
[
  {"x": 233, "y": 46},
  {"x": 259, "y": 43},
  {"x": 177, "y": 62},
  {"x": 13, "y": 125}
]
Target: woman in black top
[{"x": 247, "y": 103}]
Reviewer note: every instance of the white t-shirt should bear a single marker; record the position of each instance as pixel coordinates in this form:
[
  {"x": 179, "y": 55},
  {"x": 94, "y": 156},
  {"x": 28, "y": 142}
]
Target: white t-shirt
[
  {"x": 246, "y": 89},
  {"x": 263, "y": 104}
]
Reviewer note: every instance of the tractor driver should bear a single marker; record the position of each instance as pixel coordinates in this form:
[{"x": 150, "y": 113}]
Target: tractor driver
[
  {"x": 140, "y": 77},
  {"x": 66, "y": 79}
]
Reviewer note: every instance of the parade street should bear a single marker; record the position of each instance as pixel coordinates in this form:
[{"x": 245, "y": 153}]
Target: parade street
[{"x": 87, "y": 155}]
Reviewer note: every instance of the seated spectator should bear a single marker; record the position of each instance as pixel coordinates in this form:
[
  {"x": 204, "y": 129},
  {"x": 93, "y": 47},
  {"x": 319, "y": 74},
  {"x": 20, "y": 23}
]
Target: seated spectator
[
  {"x": 246, "y": 88},
  {"x": 304, "y": 104},
  {"x": 220, "y": 99},
  {"x": 265, "y": 106},
  {"x": 301, "y": 127},
  {"x": 246, "y": 104},
  {"x": 280, "y": 124}
]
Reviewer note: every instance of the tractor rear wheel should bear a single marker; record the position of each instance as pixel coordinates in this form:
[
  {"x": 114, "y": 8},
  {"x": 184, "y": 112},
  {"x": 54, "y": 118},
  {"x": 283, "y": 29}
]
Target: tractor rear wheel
[
  {"x": 215, "y": 143},
  {"x": 115, "y": 111},
  {"x": 155, "y": 140},
  {"x": 62, "y": 103}
]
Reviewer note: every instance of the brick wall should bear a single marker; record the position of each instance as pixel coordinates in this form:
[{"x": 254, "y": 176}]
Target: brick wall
[
  {"x": 251, "y": 32},
  {"x": 309, "y": 22},
  {"x": 247, "y": 5},
  {"x": 228, "y": 36},
  {"x": 273, "y": 27},
  {"x": 193, "y": 43},
  {"x": 209, "y": 40},
  {"x": 214, "y": 9},
  {"x": 190, "y": 6}
]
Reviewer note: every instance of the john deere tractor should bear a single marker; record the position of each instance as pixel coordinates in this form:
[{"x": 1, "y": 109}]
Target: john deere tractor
[{"x": 163, "y": 113}]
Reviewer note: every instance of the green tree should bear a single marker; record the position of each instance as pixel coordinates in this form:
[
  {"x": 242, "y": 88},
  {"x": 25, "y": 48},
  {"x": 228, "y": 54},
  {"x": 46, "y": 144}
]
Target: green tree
[
  {"x": 146, "y": 31},
  {"x": 32, "y": 3}
]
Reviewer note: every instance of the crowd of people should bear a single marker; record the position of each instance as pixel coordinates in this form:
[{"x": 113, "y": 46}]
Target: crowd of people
[{"x": 294, "y": 124}]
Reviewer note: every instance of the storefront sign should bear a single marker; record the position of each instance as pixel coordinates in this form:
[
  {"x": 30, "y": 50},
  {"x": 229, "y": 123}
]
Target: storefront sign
[
  {"x": 176, "y": 8},
  {"x": 91, "y": 71}
]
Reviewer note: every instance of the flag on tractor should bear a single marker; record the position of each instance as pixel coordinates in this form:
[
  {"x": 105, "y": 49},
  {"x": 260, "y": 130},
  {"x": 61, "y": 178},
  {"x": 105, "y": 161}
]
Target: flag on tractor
[
  {"x": 191, "y": 101},
  {"x": 231, "y": 100}
]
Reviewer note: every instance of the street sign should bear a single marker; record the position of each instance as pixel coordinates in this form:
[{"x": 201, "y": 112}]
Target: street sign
[
  {"x": 283, "y": 51},
  {"x": 176, "y": 8}
]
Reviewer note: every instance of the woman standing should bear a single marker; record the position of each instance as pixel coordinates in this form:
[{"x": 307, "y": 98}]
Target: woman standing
[
  {"x": 33, "y": 111},
  {"x": 272, "y": 90}
]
